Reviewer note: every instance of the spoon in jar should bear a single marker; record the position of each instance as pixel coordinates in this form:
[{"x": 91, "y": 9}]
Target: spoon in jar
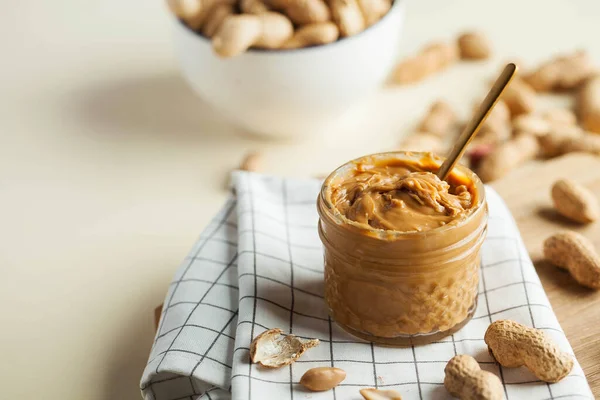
[{"x": 477, "y": 121}]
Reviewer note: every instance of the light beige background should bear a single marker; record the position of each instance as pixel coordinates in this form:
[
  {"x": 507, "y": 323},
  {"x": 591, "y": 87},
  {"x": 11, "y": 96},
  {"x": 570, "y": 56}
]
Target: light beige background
[{"x": 110, "y": 167}]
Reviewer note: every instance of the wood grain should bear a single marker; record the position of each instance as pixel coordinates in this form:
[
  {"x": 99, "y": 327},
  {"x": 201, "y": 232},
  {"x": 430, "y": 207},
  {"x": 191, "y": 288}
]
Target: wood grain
[{"x": 527, "y": 194}]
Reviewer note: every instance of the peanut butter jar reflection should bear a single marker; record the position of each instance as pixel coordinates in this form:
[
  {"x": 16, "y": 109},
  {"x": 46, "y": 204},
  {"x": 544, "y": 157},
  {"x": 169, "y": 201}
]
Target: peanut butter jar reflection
[{"x": 401, "y": 247}]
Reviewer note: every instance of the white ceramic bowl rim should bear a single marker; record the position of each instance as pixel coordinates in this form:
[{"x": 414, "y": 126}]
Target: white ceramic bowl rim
[{"x": 395, "y": 4}]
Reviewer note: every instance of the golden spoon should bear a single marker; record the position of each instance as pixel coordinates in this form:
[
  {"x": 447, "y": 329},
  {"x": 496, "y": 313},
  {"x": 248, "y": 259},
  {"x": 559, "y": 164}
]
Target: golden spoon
[{"x": 478, "y": 119}]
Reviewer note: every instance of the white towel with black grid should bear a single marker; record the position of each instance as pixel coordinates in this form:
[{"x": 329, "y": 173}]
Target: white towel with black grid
[{"x": 259, "y": 265}]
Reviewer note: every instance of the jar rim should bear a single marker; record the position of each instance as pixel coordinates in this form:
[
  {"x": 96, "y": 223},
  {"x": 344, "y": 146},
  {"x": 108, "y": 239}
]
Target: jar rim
[{"x": 458, "y": 170}]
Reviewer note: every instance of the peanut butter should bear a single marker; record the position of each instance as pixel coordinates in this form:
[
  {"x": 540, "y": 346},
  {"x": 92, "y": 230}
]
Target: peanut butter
[
  {"x": 403, "y": 197},
  {"x": 401, "y": 247}
]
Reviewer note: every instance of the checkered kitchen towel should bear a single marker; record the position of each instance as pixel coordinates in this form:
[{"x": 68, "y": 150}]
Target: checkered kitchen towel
[{"x": 259, "y": 265}]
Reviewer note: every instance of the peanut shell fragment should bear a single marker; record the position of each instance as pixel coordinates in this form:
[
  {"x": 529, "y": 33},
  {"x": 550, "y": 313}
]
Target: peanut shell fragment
[{"x": 275, "y": 349}]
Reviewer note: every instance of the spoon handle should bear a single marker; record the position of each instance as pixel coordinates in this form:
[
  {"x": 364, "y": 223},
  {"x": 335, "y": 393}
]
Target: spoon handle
[{"x": 475, "y": 123}]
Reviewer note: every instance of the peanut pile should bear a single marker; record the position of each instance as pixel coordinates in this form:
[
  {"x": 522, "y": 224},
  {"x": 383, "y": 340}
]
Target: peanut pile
[
  {"x": 516, "y": 131},
  {"x": 235, "y": 26}
]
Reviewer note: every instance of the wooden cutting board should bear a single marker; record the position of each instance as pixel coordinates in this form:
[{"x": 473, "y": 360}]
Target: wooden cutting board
[{"x": 527, "y": 194}]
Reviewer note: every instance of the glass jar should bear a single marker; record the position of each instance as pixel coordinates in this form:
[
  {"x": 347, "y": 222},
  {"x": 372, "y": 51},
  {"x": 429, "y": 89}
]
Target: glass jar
[{"x": 402, "y": 288}]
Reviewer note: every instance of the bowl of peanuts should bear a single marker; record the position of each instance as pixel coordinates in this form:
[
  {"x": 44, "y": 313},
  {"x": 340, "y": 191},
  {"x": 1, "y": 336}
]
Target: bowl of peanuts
[{"x": 286, "y": 68}]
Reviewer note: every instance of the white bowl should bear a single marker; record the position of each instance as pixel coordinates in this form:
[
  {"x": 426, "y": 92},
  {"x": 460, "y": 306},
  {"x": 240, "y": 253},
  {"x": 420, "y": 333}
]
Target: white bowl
[{"x": 291, "y": 93}]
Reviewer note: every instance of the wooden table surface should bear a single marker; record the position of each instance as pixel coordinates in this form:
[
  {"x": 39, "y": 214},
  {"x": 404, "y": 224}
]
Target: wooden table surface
[{"x": 527, "y": 193}]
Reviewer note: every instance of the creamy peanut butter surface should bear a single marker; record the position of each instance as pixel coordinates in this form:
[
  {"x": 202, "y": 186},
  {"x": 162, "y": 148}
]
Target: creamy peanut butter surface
[{"x": 396, "y": 197}]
